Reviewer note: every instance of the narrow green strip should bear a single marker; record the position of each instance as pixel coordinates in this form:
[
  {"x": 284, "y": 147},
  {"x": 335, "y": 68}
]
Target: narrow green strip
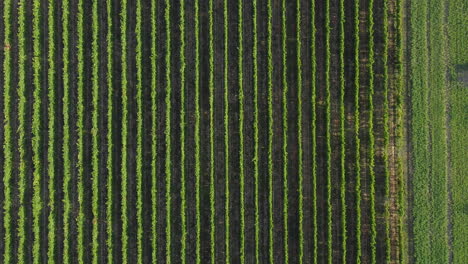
[
  {"x": 328, "y": 132},
  {"x": 154, "y": 137},
  {"x": 386, "y": 133},
  {"x": 356, "y": 132},
  {"x": 373, "y": 241},
  {"x": 241, "y": 132},
  {"x": 123, "y": 166},
  {"x": 167, "y": 132},
  {"x": 7, "y": 130},
  {"x": 226, "y": 132},
  {"x": 270, "y": 134},
  {"x": 66, "y": 134},
  {"x": 21, "y": 131},
  {"x": 256, "y": 132},
  {"x": 285, "y": 132},
  {"x": 314, "y": 132},
  {"x": 183, "y": 205},
  {"x": 36, "y": 131},
  {"x": 110, "y": 144},
  {"x": 212, "y": 128},
  {"x": 80, "y": 128},
  {"x": 95, "y": 133},
  {"x": 139, "y": 136},
  {"x": 197, "y": 133},
  {"x": 51, "y": 146},
  {"x": 342, "y": 132},
  {"x": 299, "y": 130}
]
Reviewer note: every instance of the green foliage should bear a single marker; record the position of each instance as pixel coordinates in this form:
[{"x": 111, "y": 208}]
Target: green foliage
[
  {"x": 197, "y": 133},
  {"x": 212, "y": 140},
  {"x": 328, "y": 132},
  {"x": 36, "y": 131},
  {"x": 270, "y": 132},
  {"x": 66, "y": 134},
  {"x": 7, "y": 131},
  {"x": 51, "y": 129},
  {"x": 123, "y": 166},
  {"x": 109, "y": 137},
  {"x": 226, "y": 132},
  {"x": 285, "y": 132},
  {"x": 167, "y": 131},
  {"x": 21, "y": 131}
]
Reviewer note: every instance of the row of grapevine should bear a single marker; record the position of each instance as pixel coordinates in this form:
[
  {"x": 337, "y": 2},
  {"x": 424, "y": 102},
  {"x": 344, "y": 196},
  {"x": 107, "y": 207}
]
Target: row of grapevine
[
  {"x": 197, "y": 133},
  {"x": 94, "y": 132},
  {"x": 67, "y": 166},
  {"x": 342, "y": 132},
  {"x": 123, "y": 163},
  {"x": 256, "y": 132},
  {"x": 371, "y": 161},
  {"x": 167, "y": 132},
  {"x": 7, "y": 133},
  {"x": 328, "y": 133},
  {"x": 226, "y": 135},
  {"x": 299, "y": 130},
  {"x": 36, "y": 130},
  {"x": 80, "y": 128},
  {"x": 212, "y": 153},
  {"x": 51, "y": 129},
  {"x": 139, "y": 148},
  {"x": 241, "y": 132},
  {"x": 21, "y": 129},
  {"x": 183, "y": 206},
  {"x": 285, "y": 131},
  {"x": 357, "y": 130},
  {"x": 109, "y": 136},
  {"x": 270, "y": 132}
]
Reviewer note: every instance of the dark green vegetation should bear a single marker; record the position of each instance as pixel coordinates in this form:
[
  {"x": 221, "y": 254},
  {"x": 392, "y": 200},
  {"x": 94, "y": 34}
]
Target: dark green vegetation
[{"x": 233, "y": 131}]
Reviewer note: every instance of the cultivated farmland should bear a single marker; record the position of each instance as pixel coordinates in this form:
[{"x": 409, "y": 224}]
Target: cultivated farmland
[{"x": 216, "y": 131}]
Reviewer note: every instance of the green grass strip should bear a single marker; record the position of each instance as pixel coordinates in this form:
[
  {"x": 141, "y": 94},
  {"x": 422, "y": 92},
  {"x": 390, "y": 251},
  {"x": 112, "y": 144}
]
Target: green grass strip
[
  {"x": 110, "y": 145},
  {"x": 212, "y": 154},
  {"x": 7, "y": 131},
  {"x": 299, "y": 130},
  {"x": 123, "y": 165},
  {"x": 80, "y": 127},
  {"x": 270, "y": 133},
  {"x": 139, "y": 136},
  {"x": 167, "y": 132},
  {"x": 66, "y": 134},
  {"x": 256, "y": 132},
  {"x": 386, "y": 132},
  {"x": 51, "y": 145},
  {"x": 226, "y": 132},
  {"x": 36, "y": 131},
  {"x": 241, "y": 132},
  {"x": 95, "y": 133},
  {"x": 183, "y": 205},
  {"x": 328, "y": 132},
  {"x": 197, "y": 134},
  {"x": 342, "y": 132},
  {"x": 154, "y": 137},
  {"x": 21, "y": 130},
  {"x": 285, "y": 133},
  {"x": 373, "y": 241},
  {"x": 314, "y": 132}
]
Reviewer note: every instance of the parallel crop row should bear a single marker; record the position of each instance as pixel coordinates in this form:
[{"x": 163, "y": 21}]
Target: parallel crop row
[
  {"x": 36, "y": 130},
  {"x": 21, "y": 130},
  {"x": 7, "y": 134},
  {"x": 328, "y": 133},
  {"x": 371, "y": 133},
  {"x": 51, "y": 129}
]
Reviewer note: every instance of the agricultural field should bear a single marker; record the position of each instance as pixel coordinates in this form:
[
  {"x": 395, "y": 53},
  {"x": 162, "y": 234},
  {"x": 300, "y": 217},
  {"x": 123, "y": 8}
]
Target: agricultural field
[{"x": 216, "y": 131}]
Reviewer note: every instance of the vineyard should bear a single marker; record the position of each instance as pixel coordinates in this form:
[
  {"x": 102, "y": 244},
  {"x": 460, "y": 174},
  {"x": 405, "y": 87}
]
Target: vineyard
[{"x": 273, "y": 131}]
